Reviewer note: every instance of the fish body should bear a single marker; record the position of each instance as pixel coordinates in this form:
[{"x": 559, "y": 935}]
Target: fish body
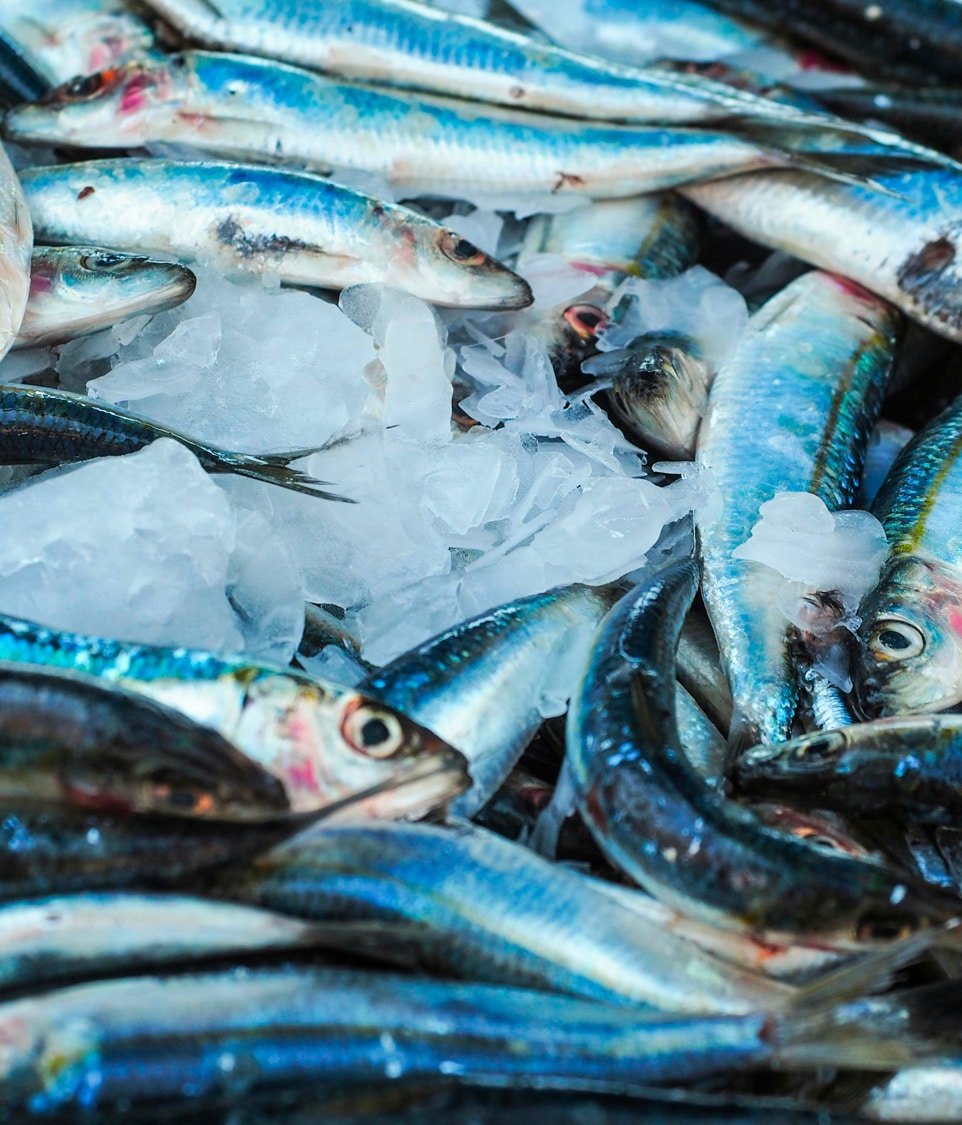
[
  {"x": 902, "y": 243},
  {"x": 78, "y": 290},
  {"x": 16, "y": 243},
  {"x": 481, "y": 685},
  {"x": 791, "y": 410},
  {"x": 661, "y": 823},
  {"x": 910, "y": 637},
  {"x": 298, "y": 228},
  {"x": 315, "y": 737},
  {"x": 493, "y": 910}
]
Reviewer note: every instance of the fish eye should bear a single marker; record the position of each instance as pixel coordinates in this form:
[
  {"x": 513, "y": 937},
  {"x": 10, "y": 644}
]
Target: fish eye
[
  {"x": 459, "y": 250},
  {"x": 102, "y": 261},
  {"x": 183, "y": 800},
  {"x": 896, "y": 640},
  {"x": 882, "y": 929},
  {"x": 85, "y": 86},
  {"x": 373, "y": 731},
  {"x": 586, "y": 320}
]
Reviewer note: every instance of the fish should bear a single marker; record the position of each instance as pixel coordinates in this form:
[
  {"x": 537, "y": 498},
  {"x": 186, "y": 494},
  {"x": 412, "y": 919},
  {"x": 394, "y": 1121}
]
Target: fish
[
  {"x": 20, "y": 78},
  {"x": 704, "y": 745},
  {"x": 322, "y": 741},
  {"x": 909, "y": 652},
  {"x": 901, "y": 243},
  {"x": 699, "y": 671},
  {"x": 791, "y": 409},
  {"x": 418, "y": 145},
  {"x": 657, "y": 820},
  {"x": 248, "y": 220},
  {"x": 40, "y": 426},
  {"x": 492, "y": 910},
  {"x": 74, "y": 737},
  {"x": 16, "y": 244},
  {"x": 482, "y": 686},
  {"x": 77, "y": 290},
  {"x": 907, "y": 768}
]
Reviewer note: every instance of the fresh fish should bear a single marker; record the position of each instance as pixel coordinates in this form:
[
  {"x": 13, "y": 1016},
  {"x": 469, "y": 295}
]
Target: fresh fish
[
  {"x": 910, "y": 639},
  {"x": 322, "y": 741},
  {"x": 493, "y": 910},
  {"x": 699, "y": 669},
  {"x": 16, "y": 243},
  {"x": 244, "y": 219},
  {"x": 902, "y": 244},
  {"x": 39, "y": 426},
  {"x": 886, "y": 443},
  {"x": 792, "y": 410},
  {"x": 78, "y": 290},
  {"x": 929, "y": 114},
  {"x": 250, "y": 109},
  {"x": 75, "y": 37},
  {"x": 907, "y": 768},
  {"x": 703, "y": 743},
  {"x": 485, "y": 685},
  {"x": 661, "y": 823},
  {"x": 73, "y": 737}
]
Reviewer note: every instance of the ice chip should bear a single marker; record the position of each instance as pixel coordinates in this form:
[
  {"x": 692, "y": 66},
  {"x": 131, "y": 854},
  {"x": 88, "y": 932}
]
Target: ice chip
[
  {"x": 333, "y": 664},
  {"x": 554, "y": 281}
]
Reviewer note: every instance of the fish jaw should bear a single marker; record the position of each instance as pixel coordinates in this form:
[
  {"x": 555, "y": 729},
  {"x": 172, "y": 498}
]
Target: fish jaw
[{"x": 920, "y": 601}]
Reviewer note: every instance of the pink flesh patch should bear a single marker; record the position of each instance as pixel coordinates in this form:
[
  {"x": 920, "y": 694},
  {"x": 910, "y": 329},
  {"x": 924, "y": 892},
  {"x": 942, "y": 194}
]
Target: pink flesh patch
[
  {"x": 40, "y": 283},
  {"x": 955, "y": 620},
  {"x": 134, "y": 96},
  {"x": 851, "y": 287}
]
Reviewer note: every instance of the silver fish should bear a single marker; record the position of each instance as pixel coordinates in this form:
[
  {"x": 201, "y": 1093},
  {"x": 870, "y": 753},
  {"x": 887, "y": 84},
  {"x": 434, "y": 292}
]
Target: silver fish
[{"x": 16, "y": 243}]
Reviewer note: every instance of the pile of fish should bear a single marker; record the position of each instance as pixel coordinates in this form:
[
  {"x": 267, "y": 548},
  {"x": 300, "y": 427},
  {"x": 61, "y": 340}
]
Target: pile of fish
[{"x": 480, "y": 560}]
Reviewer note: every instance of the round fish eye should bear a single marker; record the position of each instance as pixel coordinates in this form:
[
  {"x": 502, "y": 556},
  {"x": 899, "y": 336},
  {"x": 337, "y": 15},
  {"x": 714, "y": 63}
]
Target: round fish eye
[
  {"x": 586, "y": 320},
  {"x": 85, "y": 86},
  {"x": 373, "y": 731},
  {"x": 882, "y": 929},
  {"x": 459, "y": 250},
  {"x": 102, "y": 261},
  {"x": 896, "y": 640}
]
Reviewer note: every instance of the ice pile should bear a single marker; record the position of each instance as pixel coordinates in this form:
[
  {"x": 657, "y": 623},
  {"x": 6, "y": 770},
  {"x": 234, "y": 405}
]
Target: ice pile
[{"x": 146, "y": 547}]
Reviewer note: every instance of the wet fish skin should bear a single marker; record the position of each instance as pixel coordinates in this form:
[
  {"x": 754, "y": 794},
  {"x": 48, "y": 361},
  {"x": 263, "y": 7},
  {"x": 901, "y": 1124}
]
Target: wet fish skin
[
  {"x": 699, "y": 669},
  {"x": 43, "y": 426},
  {"x": 477, "y": 685},
  {"x": 903, "y": 244},
  {"x": 905, "y": 768},
  {"x": 308, "y": 734},
  {"x": 910, "y": 649},
  {"x": 69, "y": 736},
  {"x": 246, "y": 219},
  {"x": 20, "y": 79},
  {"x": 16, "y": 243},
  {"x": 658, "y": 821},
  {"x": 78, "y": 290},
  {"x": 493, "y": 910},
  {"x": 784, "y": 413}
]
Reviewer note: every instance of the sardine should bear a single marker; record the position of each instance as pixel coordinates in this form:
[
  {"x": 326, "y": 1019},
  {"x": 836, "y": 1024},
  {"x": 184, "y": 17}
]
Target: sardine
[
  {"x": 661, "y": 823},
  {"x": 299, "y": 228},
  {"x": 792, "y": 410},
  {"x": 16, "y": 243},
  {"x": 699, "y": 669},
  {"x": 481, "y": 686},
  {"x": 322, "y": 741},
  {"x": 910, "y": 639},
  {"x": 907, "y": 768},
  {"x": 78, "y": 290}
]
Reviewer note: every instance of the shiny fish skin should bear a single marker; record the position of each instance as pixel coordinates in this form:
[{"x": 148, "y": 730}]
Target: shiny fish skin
[
  {"x": 658, "y": 821},
  {"x": 249, "y": 109},
  {"x": 20, "y": 78},
  {"x": 905, "y": 246},
  {"x": 78, "y": 290},
  {"x": 477, "y": 685},
  {"x": 42, "y": 426},
  {"x": 907, "y": 768},
  {"x": 120, "y": 1046},
  {"x": 16, "y": 243},
  {"x": 492, "y": 910},
  {"x": 245, "y": 219},
  {"x": 791, "y": 410},
  {"x": 307, "y": 733},
  {"x": 910, "y": 646}
]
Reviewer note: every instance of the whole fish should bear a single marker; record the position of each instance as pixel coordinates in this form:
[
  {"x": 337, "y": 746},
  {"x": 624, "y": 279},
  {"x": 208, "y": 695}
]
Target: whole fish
[
  {"x": 661, "y": 823},
  {"x": 39, "y": 426},
  {"x": 73, "y": 737},
  {"x": 418, "y": 144},
  {"x": 910, "y": 637},
  {"x": 75, "y": 37},
  {"x": 493, "y": 910},
  {"x": 244, "y": 219},
  {"x": 481, "y": 686},
  {"x": 322, "y": 741},
  {"x": 907, "y": 768},
  {"x": 16, "y": 243},
  {"x": 792, "y": 409},
  {"x": 902, "y": 244},
  {"x": 77, "y": 290}
]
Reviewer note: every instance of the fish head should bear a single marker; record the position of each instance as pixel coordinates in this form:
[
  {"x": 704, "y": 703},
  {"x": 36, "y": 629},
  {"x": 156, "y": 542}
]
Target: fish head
[
  {"x": 119, "y": 106},
  {"x": 438, "y": 265},
  {"x": 909, "y": 658}
]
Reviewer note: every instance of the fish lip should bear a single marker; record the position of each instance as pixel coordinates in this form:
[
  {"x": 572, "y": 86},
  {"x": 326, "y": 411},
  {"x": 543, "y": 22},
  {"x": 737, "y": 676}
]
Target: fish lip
[{"x": 437, "y": 779}]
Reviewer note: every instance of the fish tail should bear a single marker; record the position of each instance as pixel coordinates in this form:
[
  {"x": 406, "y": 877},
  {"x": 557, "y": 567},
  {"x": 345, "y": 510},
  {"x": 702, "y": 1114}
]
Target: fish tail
[{"x": 273, "y": 468}]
